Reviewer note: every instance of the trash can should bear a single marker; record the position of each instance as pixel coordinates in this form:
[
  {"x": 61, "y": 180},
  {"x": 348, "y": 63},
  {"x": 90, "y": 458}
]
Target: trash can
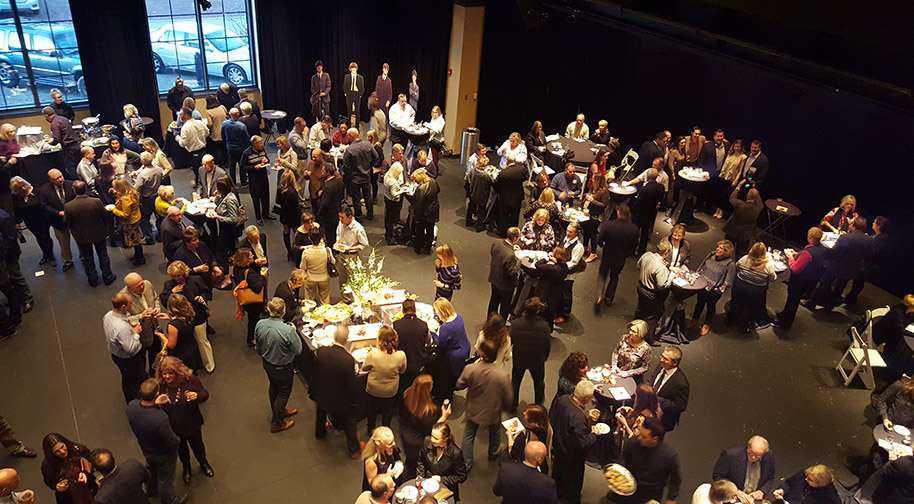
[{"x": 468, "y": 144}]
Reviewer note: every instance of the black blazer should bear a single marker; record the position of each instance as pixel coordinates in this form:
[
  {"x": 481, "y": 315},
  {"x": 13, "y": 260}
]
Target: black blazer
[
  {"x": 194, "y": 286},
  {"x": 333, "y": 380},
  {"x": 518, "y": 483},
  {"x": 644, "y": 209},
  {"x": 732, "y": 464},
  {"x": 646, "y": 154},
  {"x": 510, "y": 184},
  {"x": 531, "y": 340},
  {"x": 673, "y": 396},
  {"x": 759, "y": 169},
  {"x": 332, "y": 197},
  {"x": 347, "y": 88},
  {"x": 125, "y": 484},
  {"x": 425, "y": 202},
  {"x": 243, "y": 243},
  {"x": 707, "y": 157},
  {"x": 846, "y": 259},
  {"x": 203, "y": 256},
  {"x": 619, "y": 239},
  {"x": 292, "y": 300},
  {"x": 549, "y": 285},
  {"x": 451, "y": 466},
  {"x": 51, "y": 204},
  {"x": 413, "y": 333},
  {"x": 504, "y": 267},
  {"x": 172, "y": 234}
]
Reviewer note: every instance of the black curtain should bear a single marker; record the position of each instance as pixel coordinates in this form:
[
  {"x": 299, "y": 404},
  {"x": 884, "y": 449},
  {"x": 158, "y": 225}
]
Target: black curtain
[
  {"x": 116, "y": 57},
  {"x": 405, "y": 34},
  {"x": 822, "y": 142}
]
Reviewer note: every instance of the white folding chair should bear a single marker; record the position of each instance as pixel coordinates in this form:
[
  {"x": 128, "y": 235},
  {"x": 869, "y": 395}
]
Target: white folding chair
[
  {"x": 863, "y": 358},
  {"x": 871, "y": 317},
  {"x": 624, "y": 169}
]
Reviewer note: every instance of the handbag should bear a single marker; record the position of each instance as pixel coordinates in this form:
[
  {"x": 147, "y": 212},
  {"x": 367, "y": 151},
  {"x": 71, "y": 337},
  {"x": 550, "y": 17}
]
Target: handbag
[
  {"x": 331, "y": 267},
  {"x": 242, "y": 215},
  {"x": 245, "y": 294}
]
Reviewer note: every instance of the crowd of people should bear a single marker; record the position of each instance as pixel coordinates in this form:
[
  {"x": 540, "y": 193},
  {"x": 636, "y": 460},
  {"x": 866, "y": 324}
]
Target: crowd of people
[{"x": 158, "y": 338}]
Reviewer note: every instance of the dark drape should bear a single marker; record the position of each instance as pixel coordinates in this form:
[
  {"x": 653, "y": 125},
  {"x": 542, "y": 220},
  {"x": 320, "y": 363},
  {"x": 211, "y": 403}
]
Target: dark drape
[
  {"x": 405, "y": 34},
  {"x": 822, "y": 142},
  {"x": 116, "y": 58}
]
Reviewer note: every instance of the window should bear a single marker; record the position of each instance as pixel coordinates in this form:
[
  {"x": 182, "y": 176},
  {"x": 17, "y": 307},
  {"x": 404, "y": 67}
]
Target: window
[
  {"x": 186, "y": 40},
  {"x": 46, "y": 31}
]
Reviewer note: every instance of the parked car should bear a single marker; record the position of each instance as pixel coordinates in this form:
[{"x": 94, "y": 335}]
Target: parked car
[
  {"x": 23, "y": 6},
  {"x": 53, "y": 54},
  {"x": 177, "y": 45}
]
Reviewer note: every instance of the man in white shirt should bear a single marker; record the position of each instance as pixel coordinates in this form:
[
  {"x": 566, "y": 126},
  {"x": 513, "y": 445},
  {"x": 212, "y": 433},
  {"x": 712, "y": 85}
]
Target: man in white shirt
[
  {"x": 574, "y": 245},
  {"x": 298, "y": 137},
  {"x": 578, "y": 129},
  {"x": 193, "y": 137},
  {"x": 320, "y": 132},
  {"x": 350, "y": 240},
  {"x": 671, "y": 386},
  {"x": 123, "y": 341},
  {"x": 382, "y": 489},
  {"x": 86, "y": 168},
  {"x": 653, "y": 285},
  {"x": 400, "y": 115}
]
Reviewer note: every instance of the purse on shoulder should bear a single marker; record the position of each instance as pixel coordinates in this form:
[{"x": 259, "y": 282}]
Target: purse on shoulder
[{"x": 331, "y": 267}]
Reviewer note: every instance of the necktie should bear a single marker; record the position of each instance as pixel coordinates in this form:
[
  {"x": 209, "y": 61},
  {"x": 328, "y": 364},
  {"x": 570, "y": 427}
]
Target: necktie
[
  {"x": 60, "y": 194},
  {"x": 660, "y": 378}
]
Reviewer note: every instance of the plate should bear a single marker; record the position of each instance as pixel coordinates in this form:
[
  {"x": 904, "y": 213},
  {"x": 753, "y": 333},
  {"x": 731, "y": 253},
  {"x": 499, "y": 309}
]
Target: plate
[
  {"x": 901, "y": 429},
  {"x": 308, "y": 305},
  {"x": 109, "y": 207},
  {"x": 513, "y": 425},
  {"x": 602, "y": 428},
  {"x": 408, "y": 492},
  {"x": 430, "y": 486},
  {"x": 620, "y": 480}
]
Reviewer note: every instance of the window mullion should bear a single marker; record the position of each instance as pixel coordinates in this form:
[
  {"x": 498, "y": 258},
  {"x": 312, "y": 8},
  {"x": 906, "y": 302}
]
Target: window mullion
[{"x": 25, "y": 53}]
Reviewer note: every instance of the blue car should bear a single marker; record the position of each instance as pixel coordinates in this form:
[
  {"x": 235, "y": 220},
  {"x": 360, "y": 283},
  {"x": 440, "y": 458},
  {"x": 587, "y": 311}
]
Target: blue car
[{"x": 53, "y": 54}]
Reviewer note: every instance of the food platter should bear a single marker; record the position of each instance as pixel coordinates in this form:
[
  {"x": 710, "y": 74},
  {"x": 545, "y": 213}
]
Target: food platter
[
  {"x": 620, "y": 480},
  {"x": 573, "y": 214},
  {"x": 339, "y": 312},
  {"x": 601, "y": 374},
  {"x": 407, "y": 493}
]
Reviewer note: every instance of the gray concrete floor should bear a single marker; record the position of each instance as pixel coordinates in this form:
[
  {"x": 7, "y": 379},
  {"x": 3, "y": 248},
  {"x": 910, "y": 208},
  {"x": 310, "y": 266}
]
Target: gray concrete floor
[{"x": 58, "y": 376}]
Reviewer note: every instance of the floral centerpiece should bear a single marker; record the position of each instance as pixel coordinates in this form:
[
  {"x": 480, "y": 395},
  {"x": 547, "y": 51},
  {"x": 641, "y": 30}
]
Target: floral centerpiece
[{"x": 366, "y": 281}]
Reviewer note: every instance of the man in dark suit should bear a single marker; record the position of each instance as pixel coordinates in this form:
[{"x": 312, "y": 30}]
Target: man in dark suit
[
  {"x": 530, "y": 336},
  {"x": 756, "y": 166},
  {"x": 619, "y": 239},
  {"x": 751, "y": 467},
  {"x": 651, "y": 150},
  {"x": 290, "y": 292},
  {"x": 87, "y": 219},
  {"x": 509, "y": 187},
  {"x": 320, "y": 92},
  {"x": 53, "y": 196},
  {"x": 503, "y": 272},
  {"x": 172, "y": 232},
  {"x": 711, "y": 159},
  {"x": 354, "y": 88},
  {"x": 572, "y": 439},
  {"x": 644, "y": 208},
  {"x": 845, "y": 261},
  {"x": 671, "y": 385},
  {"x": 897, "y": 485},
  {"x": 207, "y": 175},
  {"x": 177, "y": 95},
  {"x": 120, "y": 484},
  {"x": 413, "y": 334},
  {"x": 334, "y": 388},
  {"x": 522, "y": 482}
]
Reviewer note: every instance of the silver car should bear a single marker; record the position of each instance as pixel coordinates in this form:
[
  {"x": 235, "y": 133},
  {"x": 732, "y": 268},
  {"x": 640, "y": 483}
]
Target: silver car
[{"x": 228, "y": 55}]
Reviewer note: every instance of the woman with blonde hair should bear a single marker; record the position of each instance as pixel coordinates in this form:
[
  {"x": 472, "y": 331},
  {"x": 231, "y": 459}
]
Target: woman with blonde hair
[
  {"x": 436, "y": 134},
  {"x": 287, "y": 199},
  {"x": 165, "y": 199},
  {"x": 813, "y": 485},
  {"x": 134, "y": 127},
  {"x": 840, "y": 217},
  {"x": 719, "y": 269},
  {"x": 537, "y": 233},
  {"x": 545, "y": 201},
  {"x": 393, "y": 203},
  {"x": 425, "y": 211},
  {"x": 632, "y": 356},
  {"x": 447, "y": 272},
  {"x": 384, "y": 366},
  {"x": 9, "y": 144},
  {"x": 514, "y": 145},
  {"x": 417, "y": 418},
  {"x": 158, "y": 156},
  {"x": 180, "y": 396},
  {"x": 748, "y": 307},
  {"x": 453, "y": 348},
  {"x": 179, "y": 338},
  {"x": 127, "y": 211},
  {"x": 380, "y": 456},
  {"x": 196, "y": 290}
]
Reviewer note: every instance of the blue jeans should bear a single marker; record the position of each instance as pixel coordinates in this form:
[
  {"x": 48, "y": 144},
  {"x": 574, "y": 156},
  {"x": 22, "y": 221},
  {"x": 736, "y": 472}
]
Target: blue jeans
[
  {"x": 162, "y": 468},
  {"x": 469, "y": 439}
]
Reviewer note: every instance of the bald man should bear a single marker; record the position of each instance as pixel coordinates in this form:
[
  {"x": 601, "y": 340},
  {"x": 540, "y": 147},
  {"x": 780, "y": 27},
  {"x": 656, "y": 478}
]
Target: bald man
[
  {"x": 172, "y": 232},
  {"x": 53, "y": 196},
  {"x": 123, "y": 341},
  {"x": 144, "y": 310},
  {"x": 750, "y": 466},
  {"x": 381, "y": 490},
  {"x": 9, "y": 483},
  {"x": 578, "y": 129},
  {"x": 522, "y": 482}
]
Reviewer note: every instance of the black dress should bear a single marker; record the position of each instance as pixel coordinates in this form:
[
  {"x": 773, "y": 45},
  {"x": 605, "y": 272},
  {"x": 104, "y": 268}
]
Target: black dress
[
  {"x": 413, "y": 431},
  {"x": 289, "y": 210},
  {"x": 383, "y": 465},
  {"x": 302, "y": 240},
  {"x": 186, "y": 347}
]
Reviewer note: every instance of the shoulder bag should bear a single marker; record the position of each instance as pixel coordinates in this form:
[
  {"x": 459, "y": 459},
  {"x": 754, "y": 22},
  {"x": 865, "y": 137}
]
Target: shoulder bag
[{"x": 331, "y": 267}]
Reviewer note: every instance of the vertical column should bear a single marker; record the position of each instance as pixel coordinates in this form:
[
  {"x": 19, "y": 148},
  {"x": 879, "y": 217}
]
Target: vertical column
[{"x": 464, "y": 61}]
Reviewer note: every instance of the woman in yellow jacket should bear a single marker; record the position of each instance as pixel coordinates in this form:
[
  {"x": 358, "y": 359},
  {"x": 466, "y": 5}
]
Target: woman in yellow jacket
[{"x": 127, "y": 210}]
